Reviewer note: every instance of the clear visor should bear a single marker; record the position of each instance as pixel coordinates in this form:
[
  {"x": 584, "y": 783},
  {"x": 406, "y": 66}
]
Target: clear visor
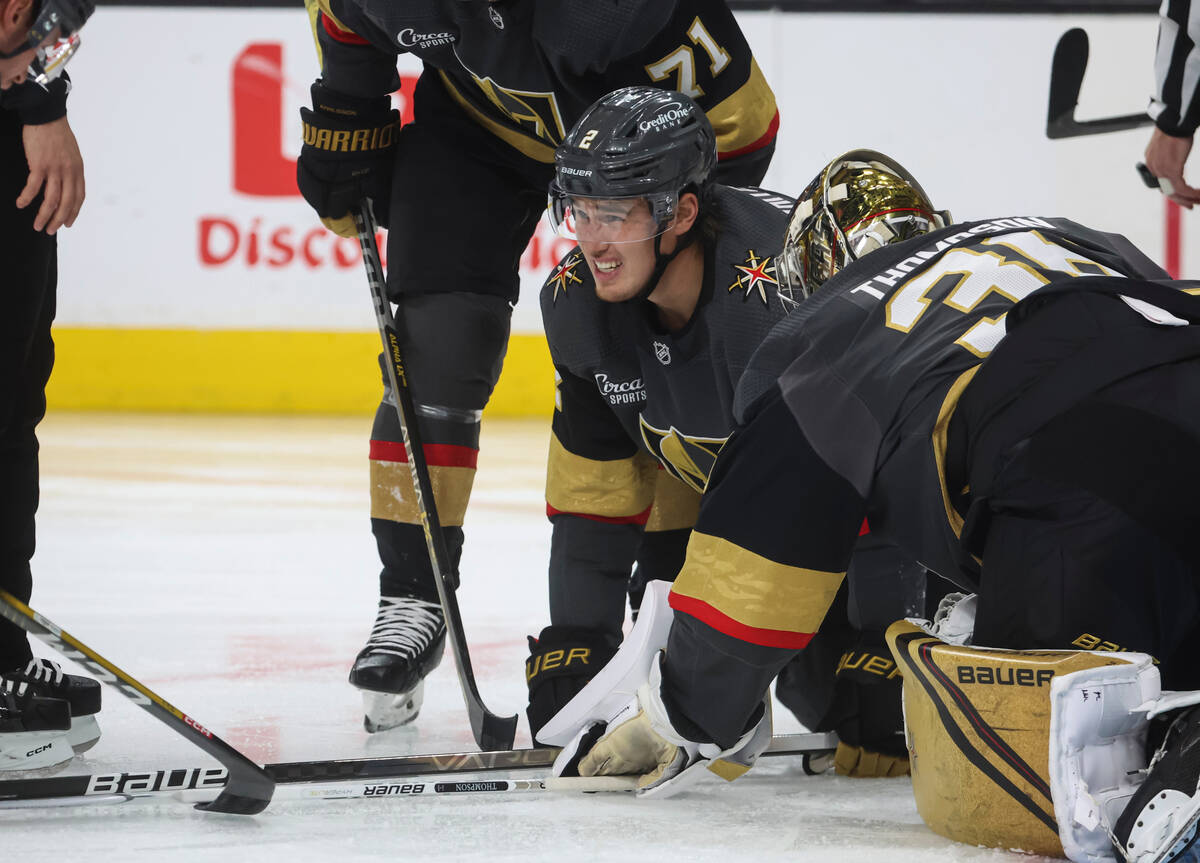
[
  {"x": 52, "y": 59},
  {"x": 610, "y": 220}
]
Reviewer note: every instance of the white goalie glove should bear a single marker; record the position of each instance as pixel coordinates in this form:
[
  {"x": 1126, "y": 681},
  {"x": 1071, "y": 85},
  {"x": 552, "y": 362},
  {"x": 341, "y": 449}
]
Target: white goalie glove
[{"x": 643, "y": 748}]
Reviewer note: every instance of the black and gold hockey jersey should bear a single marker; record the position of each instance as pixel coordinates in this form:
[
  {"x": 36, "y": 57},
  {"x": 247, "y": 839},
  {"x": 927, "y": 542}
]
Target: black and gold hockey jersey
[
  {"x": 640, "y": 413},
  {"x": 526, "y": 70},
  {"x": 848, "y": 410}
]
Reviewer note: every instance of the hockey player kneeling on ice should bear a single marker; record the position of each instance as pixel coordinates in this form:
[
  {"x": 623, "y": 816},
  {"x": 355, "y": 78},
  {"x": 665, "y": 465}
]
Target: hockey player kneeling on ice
[
  {"x": 1013, "y": 401},
  {"x": 501, "y": 84},
  {"x": 651, "y": 320}
]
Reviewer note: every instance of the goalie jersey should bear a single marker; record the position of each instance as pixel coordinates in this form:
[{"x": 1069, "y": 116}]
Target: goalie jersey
[
  {"x": 857, "y": 405},
  {"x": 641, "y": 413},
  {"x": 526, "y": 71}
]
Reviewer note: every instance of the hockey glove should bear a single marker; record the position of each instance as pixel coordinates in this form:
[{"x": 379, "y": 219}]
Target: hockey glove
[
  {"x": 561, "y": 662},
  {"x": 641, "y": 741},
  {"x": 348, "y": 154},
  {"x": 866, "y": 712}
]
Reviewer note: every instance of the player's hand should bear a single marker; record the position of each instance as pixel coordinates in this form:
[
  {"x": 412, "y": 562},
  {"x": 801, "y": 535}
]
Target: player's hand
[
  {"x": 1165, "y": 157},
  {"x": 348, "y": 153},
  {"x": 55, "y": 170},
  {"x": 561, "y": 662},
  {"x": 641, "y": 741},
  {"x": 865, "y": 712}
]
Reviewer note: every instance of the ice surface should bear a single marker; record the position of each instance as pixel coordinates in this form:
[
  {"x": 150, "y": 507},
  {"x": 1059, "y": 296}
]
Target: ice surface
[{"x": 228, "y": 564}]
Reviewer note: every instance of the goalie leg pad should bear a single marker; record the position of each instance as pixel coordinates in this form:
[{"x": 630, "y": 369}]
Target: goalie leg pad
[
  {"x": 1022, "y": 749},
  {"x": 1098, "y": 727}
]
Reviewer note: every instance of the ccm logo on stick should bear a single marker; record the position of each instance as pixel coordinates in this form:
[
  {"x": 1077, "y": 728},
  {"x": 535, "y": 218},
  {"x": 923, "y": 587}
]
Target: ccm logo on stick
[{"x": 197, "y": 726}]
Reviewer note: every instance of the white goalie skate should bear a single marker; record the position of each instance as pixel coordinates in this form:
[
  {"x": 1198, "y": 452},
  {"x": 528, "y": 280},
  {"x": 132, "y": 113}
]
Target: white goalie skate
[
  {"x": 1162, "y": 821},
  {"x": 405, "y": 645}
]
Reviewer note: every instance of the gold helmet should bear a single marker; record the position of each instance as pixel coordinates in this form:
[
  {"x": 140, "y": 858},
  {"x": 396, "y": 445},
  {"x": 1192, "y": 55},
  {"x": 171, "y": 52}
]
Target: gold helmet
[{"x": 860, "y": 201}]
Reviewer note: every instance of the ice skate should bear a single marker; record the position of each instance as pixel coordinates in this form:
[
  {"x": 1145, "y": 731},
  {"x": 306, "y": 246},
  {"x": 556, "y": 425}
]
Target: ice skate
[
  {"x": 405, "y": 645},
  {"x": 1159, "y": 825},
  {"x": 33, "y": 729},
  {"x": 46, "y": 679}
]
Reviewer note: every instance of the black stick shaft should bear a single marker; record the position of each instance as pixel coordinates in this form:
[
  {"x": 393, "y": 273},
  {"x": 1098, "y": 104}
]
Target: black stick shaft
[
  {"x": 248, "y": 788},
  {"x": 412, "y": 769},
  {"x": 491, "y": 731}
]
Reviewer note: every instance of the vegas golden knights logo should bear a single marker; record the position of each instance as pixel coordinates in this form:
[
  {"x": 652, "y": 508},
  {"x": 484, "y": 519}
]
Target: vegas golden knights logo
[
  {"x": 689, "y": 459},
  {"x": 755, "y": 275},
  {"x": 564, "y": 275},
  {"x": 535, "y": 113}
]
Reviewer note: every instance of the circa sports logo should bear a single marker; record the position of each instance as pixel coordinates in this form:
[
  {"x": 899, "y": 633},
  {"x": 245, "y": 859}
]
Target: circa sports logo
[
  {"x": 409, "y": 38},
  {"x": 671, "y": 115},
  {"x": 620, "y": 392}
]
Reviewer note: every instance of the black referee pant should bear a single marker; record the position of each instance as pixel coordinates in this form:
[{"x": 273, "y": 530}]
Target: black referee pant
[{"x": 28, "y": 276}]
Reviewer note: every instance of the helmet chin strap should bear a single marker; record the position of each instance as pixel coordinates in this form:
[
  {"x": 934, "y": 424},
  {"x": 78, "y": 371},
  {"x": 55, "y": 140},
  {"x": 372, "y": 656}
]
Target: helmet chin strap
[{"x": 661, "y": 262}]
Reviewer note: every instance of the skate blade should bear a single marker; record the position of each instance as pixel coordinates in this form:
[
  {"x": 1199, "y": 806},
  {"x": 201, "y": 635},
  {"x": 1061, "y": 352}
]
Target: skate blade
[
  {"x": 590, "y": 784},
  {"x": 386, "y": 710},
  {"x": 34, "y": 750},
  {"x": 84, "y": 733},
  {"x": 1184, "y": 847},
  {"x": 1179, "y": 847}
]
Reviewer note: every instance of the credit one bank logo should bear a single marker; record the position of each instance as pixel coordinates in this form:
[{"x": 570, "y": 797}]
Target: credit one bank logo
[{"x": 262, "y": 169}]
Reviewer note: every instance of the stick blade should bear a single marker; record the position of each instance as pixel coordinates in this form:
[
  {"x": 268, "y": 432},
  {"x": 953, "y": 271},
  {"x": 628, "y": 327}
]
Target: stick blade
[
  {"x": 493, "y": 732},
  {"x": 246, "y": 793},
  {"x": 1066, "y": 79}
]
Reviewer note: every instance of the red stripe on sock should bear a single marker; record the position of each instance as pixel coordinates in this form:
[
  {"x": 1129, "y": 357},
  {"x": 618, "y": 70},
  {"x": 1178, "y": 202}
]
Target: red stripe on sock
[
  {"x": 436, "y": 454},
  {"x": 639, "y": 518}
]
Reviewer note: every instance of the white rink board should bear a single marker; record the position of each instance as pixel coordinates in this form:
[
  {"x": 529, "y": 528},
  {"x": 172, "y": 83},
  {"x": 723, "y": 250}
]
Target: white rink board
[{"x": 960, "y": 100}]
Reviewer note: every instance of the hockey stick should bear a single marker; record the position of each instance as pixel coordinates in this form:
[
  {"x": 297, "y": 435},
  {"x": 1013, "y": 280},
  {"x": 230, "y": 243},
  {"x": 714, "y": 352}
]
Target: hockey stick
[
  {"x": 417, "y": 786},
  {"x": 1066, "y": 78},
  {"x": 342, "y": 779},
  {"x": 248, "y": 788},
  {"x": 491, "y": 731}
]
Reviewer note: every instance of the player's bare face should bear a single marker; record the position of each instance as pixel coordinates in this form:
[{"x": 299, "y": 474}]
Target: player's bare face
[{"x": 617, "y": 241}]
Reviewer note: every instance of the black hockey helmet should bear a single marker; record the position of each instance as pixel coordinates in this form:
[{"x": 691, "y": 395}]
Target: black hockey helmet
[
  {"x": 636, "y": 143},
  {"x": 861, "y": 201},
  {"x": 65, "y": 16}
]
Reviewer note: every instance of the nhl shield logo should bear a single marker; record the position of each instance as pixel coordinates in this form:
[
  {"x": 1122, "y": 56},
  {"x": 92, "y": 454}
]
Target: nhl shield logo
[{"x": 663, "y": 353}]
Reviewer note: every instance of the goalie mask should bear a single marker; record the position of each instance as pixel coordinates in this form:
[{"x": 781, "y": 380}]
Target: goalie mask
[
  {"x": 860, "y": 201},
  {"x": 620, "y": 171},
  {"x": 64, "y": 17}
]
